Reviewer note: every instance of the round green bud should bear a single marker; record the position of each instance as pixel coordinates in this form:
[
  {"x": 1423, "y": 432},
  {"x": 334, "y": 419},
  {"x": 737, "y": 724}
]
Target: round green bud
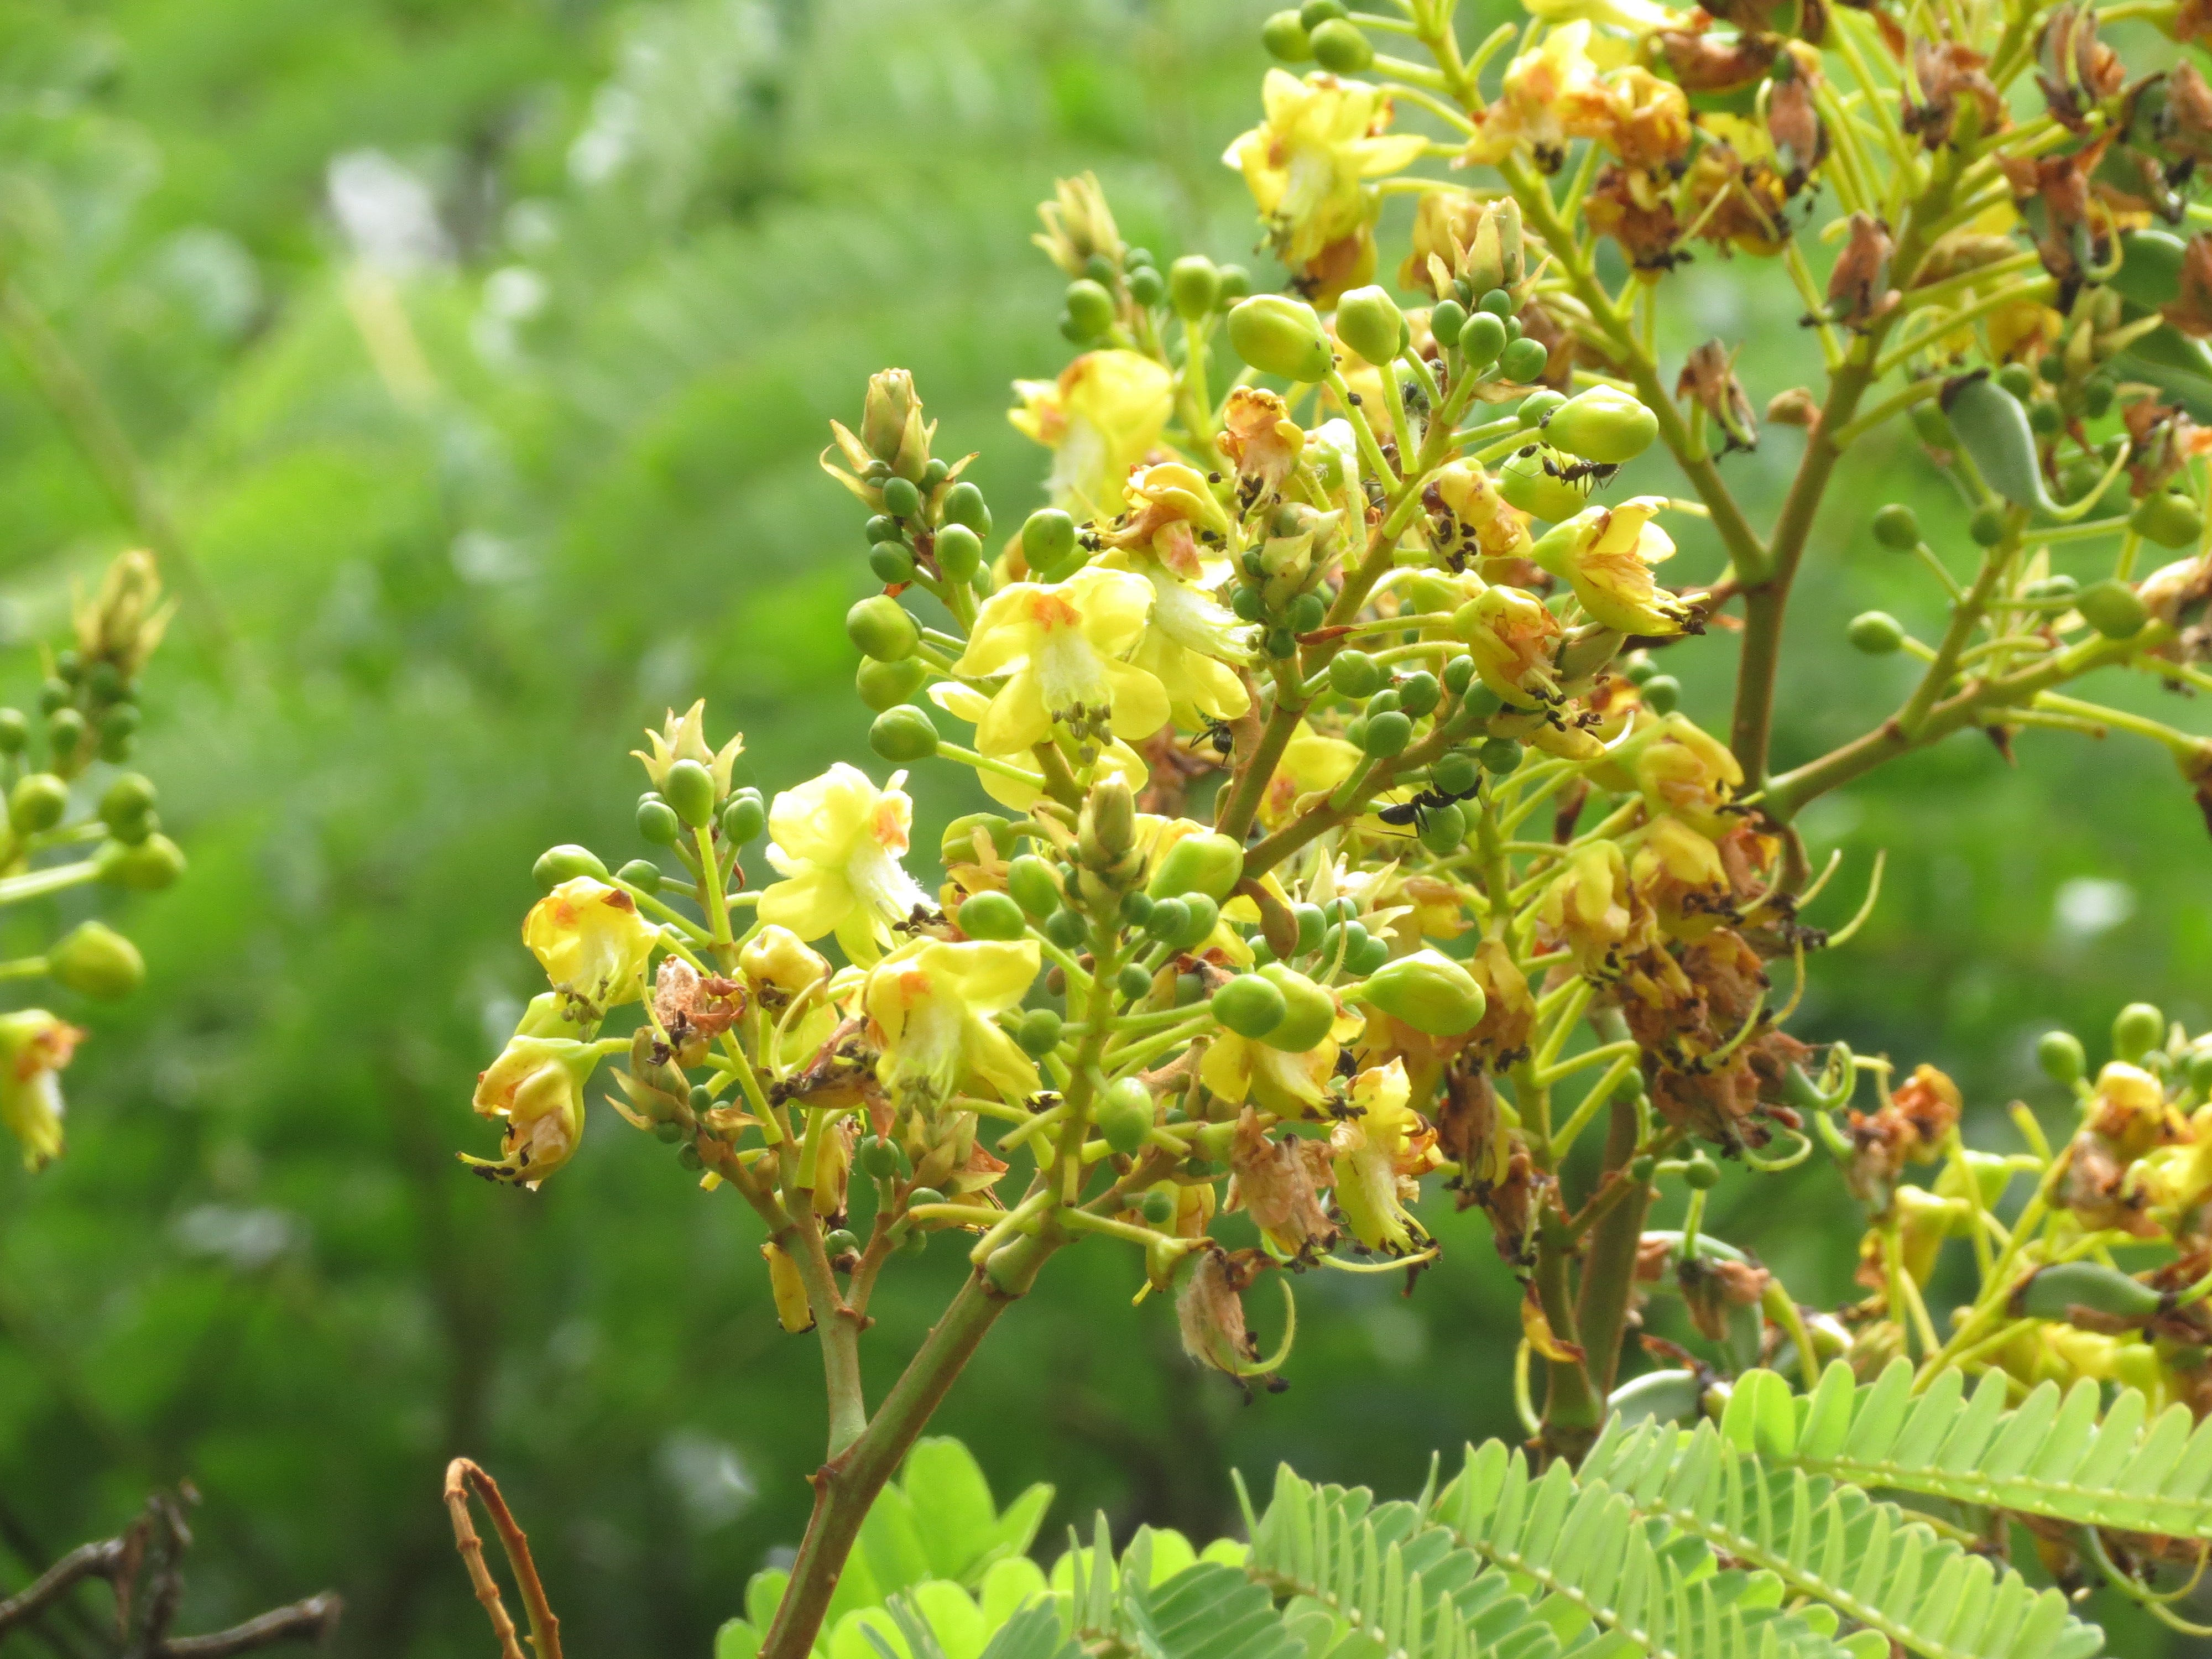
[
  {"x": 1314, "y": 12},
  {"x": 887, "y": 684},
  {"x": 1193, "y": 286},
  {"x": 1898, "y": 527},
  {"x": 990, "y": 916},
  {"x": 1540, "y": 406},
  {"x": 1124, "y": 1115},
  {"x": 1147, "y": 287},
  {"x": 1483, "y": 339},
  {"x": 642, "y": 874},
  {"x": 1662, "y": 694},
  {"x": 1038, "y": 1033},
  {"x": 1701, "y": 1174},
  {"x": 1457, "y": 773},
  {"x": 891, "y": 564},
  {"x": 1459, "y": 674},
  {"x": 1029, "y": 883},
  {"x": 152, "y": 864},
  {"x": 2113, "y": 608},
  {"x": 879, "y": 1158},
  {"x": 1067, "y": 929},
  {"x": 1602, "y": 424},
  {"x": 2044, "y": 418},
  {"x": 129, "y": 795},
  {"x": 1280, "y": 642},
  {"x": 64, "y": 731},
  {"x": 1388, "y": 733},
  {"x": 1307, "y": 613},
  {"x": 1498, "y": 303},
  {"x": 884, "y": 528},
  {"x": 2136, "y": 1030},
  {"x": 1089, "y": 308},
  {"x": 1312, "y": 924},
  {"x": 1135, "y": 256},
  {"x": 2059, "y": 589},
  {"x": 744, "y": 818},
  {"x": 1134, "y": 982},
  {"x": 1524, "y": 481},
  {"x": 1168, "y": 918},
  {"x": 2171, "y": 521},
  {"x": 1136, "y": 908},
  {"x": 14, "y": 730},
  {"x": 935, "y": 472},
  {"x": 2059, "y": 1054},
  {"x": 120, "y": 719},
  {"x": 1987, "y": 527},
  {"x": 1933, "y": 425},
  {"x": 53, "y": 694},
  {"x": 1876, "y": 632},
  {"x": 1277, "y": 335},
  {"x": 2199, "y": 1071},
  {"x": 96, "y": 961},
  {"x": 688, "y": 788},
  {"x": 901, "y": 497},
  {"x": 37, "y": 802},
  {"x": 657, "y": 821},
  {"x": 1308, "y": 1013},
  {"x": 1500, "y": 756},
  {"x": 920, "y": 1196},
  {"x": 1207, "y": 863},
  {"x": 2097, "y": 395},
  {"x": 2017, "y": 379},
  {"x": 1250, "y": 1006},
  {"x": 1353, "y": 673},
  {"x": 880, "y": 627},
  {"x": 1159, "y": 1206},
  {"x": 1524, "y": 361},
  {"x": 963, "y": 505},
  {"x": 565, "y": 863},
  {"x": 1340, "y": 48},
  {"x": 1236, "y": 283},
  {"x": 1419, "y": 693},
  {"x": 1369, "y": 321},
  {"x": 1447, "y": 318},
  {"x": 1370, "y": 957},
  {"x": 1443, "y": 829},
  {"x": 1427, "y": 991},
  {"x": 1246, "y": 603},
  {"x": 903, "y": 734},
  {"x": 1200, "y": 916},
  {"x": 959, "y": 551},
  {"x": 1048, "y": 538},
  {"x": 841, "y": 1241}
]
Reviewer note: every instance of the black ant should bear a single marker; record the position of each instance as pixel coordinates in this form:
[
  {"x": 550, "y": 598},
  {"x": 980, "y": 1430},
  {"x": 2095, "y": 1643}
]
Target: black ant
[
  {"x": 1591, "y": 474},
  {"x": 1218, "y": 734},
  {"x": 1414, "y": 812}
]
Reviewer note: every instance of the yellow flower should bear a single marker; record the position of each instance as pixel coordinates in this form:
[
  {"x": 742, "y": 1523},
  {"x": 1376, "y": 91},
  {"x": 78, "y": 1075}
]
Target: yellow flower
[
  {"x": 837, "y": 841},
  {"x": 1173, "y": 526},
  {"x": 1679, "y": 873},
  {"x": 1258, "y": 437},
  {"x": 930, "y": 1009},
  {"x": 1305, "y": 164},
  {"x": 33, "y": 1046},
  {"x": 1592, "y": 909},
  {"x": 1512, "y": 637},
  {"x": 1102, "y": 416},
  {"x": 1062, "y": 645},
  {"x": 1552, "y": 94},
  {"x": 685, "y": 738},
  {"x": 1689, "y": 773},
  {"x": 1240, "y": 1068},
  {"x": 1477, "y": 520},
  {"x": 1380, "y": 1156},
  {"x": 1605, "y": 555},
  {"x": 1116, "y": 759},
  {"x": 1637, "y": 17},
  {"x": 591, "y": 941},
  {"x": 1311, "y": 765},
  {"x": 536, "y": 1085},
  {"x": 1078, "y": 223}
]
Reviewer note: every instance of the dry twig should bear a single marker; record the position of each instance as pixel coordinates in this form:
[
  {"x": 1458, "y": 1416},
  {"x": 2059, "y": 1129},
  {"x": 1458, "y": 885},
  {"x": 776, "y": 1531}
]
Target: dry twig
[{"x": 463, "y": 1479}]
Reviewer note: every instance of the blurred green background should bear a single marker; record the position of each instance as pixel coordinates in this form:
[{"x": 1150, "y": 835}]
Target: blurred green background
[{"x": 481, "y": 353}]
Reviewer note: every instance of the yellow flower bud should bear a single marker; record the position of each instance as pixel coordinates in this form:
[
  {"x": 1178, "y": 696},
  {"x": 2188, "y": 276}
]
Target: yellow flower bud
[
  {"x": 94, "y": 959},
  {"x": 792, "y": 1311},
  {"x": 1602, "y": 424},
  {"x": 536, "y": 1085},
  {"x": 34, "y": 1045},
  {"x": 1428, "y": 991},
  {"x": 592, "y": 942},
  {"x": 1277, "y": 335}
]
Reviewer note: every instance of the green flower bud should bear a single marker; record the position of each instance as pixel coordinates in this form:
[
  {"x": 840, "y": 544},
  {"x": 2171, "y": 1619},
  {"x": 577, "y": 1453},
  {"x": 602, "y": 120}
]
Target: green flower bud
[
  {"x": 565, "y": 863},
  {"x": 959, "y": 552},
  {"x": 657, "y": 821},
  {"x": 1876, "y": 632},
  {"x": 1134, "y": 981},
  {"x": 1340, "y": 48},
  {"x": 1147, "y": 287},
  {"x": 96, "y": 961},
  {"x": 1311, "y": 925},
  {"x": 1443, "y": 829},
  {"x": 1897, "y": 525},
  {"x": 147, "y": 868},
  {"x": 2059, "y": 1054},
  {"x": 1459, "y": 674},
  {"x": 1277, "y": 335},
  {"x": 1419, "y": 693},
  {"x": 1048, "y": 538},
  {"x": 1480, "y": 337},
  {"x": 1167, "y": 919},
  {"x": 2017, "y": 379},
  {"x": 1987, "y": 527},
  {"x": 1524, "y": 483},
  {"x": 53, "y": 694},
  {"x": 641, "y": 874},
  {"x": 1456, "y": 773},
  {"x": 64, "y": 732},
  {"x": 14, "y": 730},
  {"x": 2097, "y": 395},
  {"x": 1124, "y": 1115},
  {"x": 1701, "y": 1174},
  {"x": 2057, "y": 1292},
  {"x": 1314, "y": 12},
  {"x": 129, "y": 795},
  {"x": 1200, "y": 915},
  {"x": 1038, "y": 1033},
  {"x": 887, "y": 684},
  {"x": 1236, "y": 283},
  {"x": 1353, "y": 673},
  {"x": 1429, "y": 992},
  {"x": 2171, "y": 521},
  {"x": 2061, "y": 589},
  {"x": 2200, "y": 1068},
  {"x": 1159, "y": 1206},
  {"x": 1662, "y": 694},
  {"x": 1388, "y": 733},
  {"x": 1286, "y": 38},
  {"x": 1446, "y": 321},
  {"x": 1208, "y": 864},
  {"x": 1308, "y": 1011},
  {"x": 903, "y": 734},
  {"x": 2136, "y": 1030},
  {"x": 1067, "y": 929},
  {"x": 37, "y": 802},
  {"x": 1524, "y": 361},
  {"x": 2113, "y": 608},
  {"x": 891, "y": 564},
  {"x": 1089, "y": 308},
  {"x": 744, "y": 818},
  {"x": 1500, "y": 756},
  {"x": 902, "y": 498},
  {"x": 990, "y": 916},
  {"x": 1601, "y": 424},
  {"x": 688, "y": 788},
  {"x": 2044, "y": 418},
  {"x": 1194, "y": 286},
  {"x": 1135, "y": 908},
  {"x": 1369, "y": 321},
  {"x": 1029, "y": 882},
  {"x": 1250, "y": 1006},
  {"x": 963, "y": 505}
]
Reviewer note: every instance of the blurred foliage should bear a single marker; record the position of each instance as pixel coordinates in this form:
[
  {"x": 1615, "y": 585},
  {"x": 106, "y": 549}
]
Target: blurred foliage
[{"x": 481, "y": 353}]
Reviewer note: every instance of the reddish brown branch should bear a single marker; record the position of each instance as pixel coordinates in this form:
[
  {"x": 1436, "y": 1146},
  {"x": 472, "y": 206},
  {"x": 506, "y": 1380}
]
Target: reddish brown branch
[{"x": 463, "y": 1480}]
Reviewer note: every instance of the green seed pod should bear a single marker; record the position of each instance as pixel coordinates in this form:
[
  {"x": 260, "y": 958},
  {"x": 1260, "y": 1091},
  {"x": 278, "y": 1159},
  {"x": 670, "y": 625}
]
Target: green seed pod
[
  {"x": 657, "y": 821},
  {"x": 1447, "y": 319},
  {"x": 1601, "y": 424},
  {"x": 959, "y": 552},
  {"x": 1524, "y": 361},
  {"x": 1038, "y": 1033},
  {"x": 2150, "y": 267},
  {"x": 1428, "y": 991},
  {"x": 1134, "y": 982},
  {"x": 1500, "y": 756},
  {"x": 688, "y": 788},
  {"x": 963, "y": 505},
  {"x": 881, "y": 629},
  {"x": 1353, "y": 673},
  {"x": 1048, "y": 538},
  {"x": 1194, "y": 286},
  {"x": 1208, "y": 864},
  {"x": 1992, "y": 429},
  {"x": 1277, "y": 335},
  {"x": 1524, "y": 483},
  {"x": 565, "y": 863},
  {"x": 129, "y": 795},
  {"x": 641, "y": 874},
  {"x": 1897, "y": 525},
  {"x": 2113, "y": 608},
  {"x": 743, "y": 819},
  {"x": 1876, "y": 632},
  {"x": 903, "y": 734},
  {"x": 1662, "y": 693},
  {"x": 887, "y": 684},
  {"x": 1386, "y": 734},
  {"x": 1308, "y": 1011},
  {"x": 990, "y": 916},
  {"x": 96, "y": 961},
  {"x": 152, "y": 864},
  {"x": 2104, "y": 1293},
  {"x": 1124, "y": 1115},
  {"x": 2171, "y": 521},
  {"x": 2136, "y": 1030},
  {"x": 1483, "y": 339},
  {"x": 1030, "y": 883},
  {"x": 1340, "y": 48},
  {"x": 1701, "y": 1174},
  {"x": 2059, "y": 1054},
  {"x": 1369, "y": 321},
  {"x": 37, "y": 802}
]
